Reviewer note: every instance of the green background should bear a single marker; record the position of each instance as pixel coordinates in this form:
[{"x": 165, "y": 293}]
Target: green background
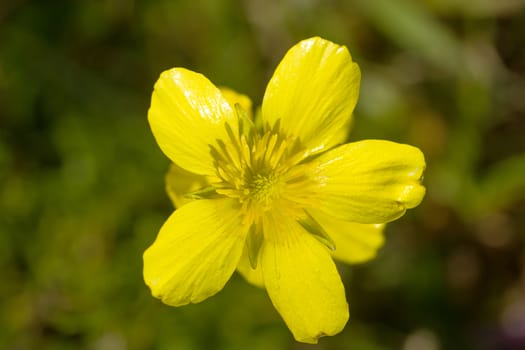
[{"x": 82, "y": 180}]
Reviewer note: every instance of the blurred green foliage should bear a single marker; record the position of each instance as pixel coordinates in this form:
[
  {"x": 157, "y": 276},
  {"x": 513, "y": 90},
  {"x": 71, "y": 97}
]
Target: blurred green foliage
[{"x": 81, "y": 178}]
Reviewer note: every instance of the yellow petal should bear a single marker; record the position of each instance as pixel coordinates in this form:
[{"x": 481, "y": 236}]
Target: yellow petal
[
  {"x": 180, "y": 182},
  {"x": 252, "y": 276},
  {"x": 354, "y": 243},
  {"x": 302, "y": 281},
  {"x": 233, "y": 97},
  {"x": 341, "y": 135},
  {"x": 196, "y": 252},
  {"x": 313, "y": 92},
  {"x": 370, "y": 181},
  {"x": 187, "y": 115}
]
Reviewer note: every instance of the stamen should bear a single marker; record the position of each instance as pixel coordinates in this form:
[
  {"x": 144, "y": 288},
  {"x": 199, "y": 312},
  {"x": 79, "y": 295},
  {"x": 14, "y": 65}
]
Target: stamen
[
  {"x": 269, "y": 149},
  {"x": 261, "y": 170}
]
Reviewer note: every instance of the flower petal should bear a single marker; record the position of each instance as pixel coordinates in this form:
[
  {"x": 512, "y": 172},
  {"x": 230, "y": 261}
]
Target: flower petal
[
  {"x": 371, "y": 181},
  {"x": 187, "y": 115},
  {"x": 313, "y": 92},
  {"x": 233, "y": 97},
  {"x": 196, "y": 252},
  {"x": 252, "y": 276},
  {"x": 354, "y": 243},
  {"x": 180, "y": 182},
  {"x": 302, "y": 281}
]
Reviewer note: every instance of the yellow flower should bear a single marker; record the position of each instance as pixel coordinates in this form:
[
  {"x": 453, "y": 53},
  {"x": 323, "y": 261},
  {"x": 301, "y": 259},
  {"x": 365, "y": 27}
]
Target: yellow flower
[{"x": 277, "y": 198}]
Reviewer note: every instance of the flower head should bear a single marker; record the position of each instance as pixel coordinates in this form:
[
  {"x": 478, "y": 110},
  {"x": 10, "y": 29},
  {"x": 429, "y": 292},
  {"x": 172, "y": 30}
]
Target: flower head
[{"x": 275, "y": 197}]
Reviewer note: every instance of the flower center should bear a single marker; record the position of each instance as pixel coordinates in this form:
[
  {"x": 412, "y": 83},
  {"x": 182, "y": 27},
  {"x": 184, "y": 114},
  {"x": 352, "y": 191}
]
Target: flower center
[
  {"x": 264, "y": 188},
  {"x": 257, "y": 168}
]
